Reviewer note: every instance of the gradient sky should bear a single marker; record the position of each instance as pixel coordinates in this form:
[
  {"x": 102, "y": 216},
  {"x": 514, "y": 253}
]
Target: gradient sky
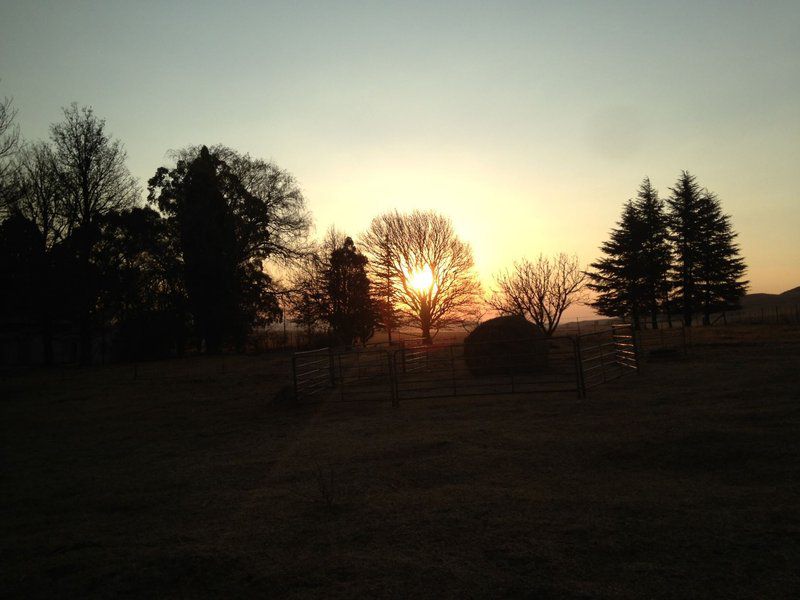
[{"x": 528, "y": 123}]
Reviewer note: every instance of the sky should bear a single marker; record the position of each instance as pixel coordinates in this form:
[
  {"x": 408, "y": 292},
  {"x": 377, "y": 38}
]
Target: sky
[{"x": 527, "y": 123}]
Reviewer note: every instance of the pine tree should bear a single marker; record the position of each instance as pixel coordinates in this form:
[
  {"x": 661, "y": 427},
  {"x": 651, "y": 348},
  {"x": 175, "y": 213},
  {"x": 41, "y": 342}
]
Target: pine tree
[
  {"x": 631, "y": 280},
  {"x": 615, "y": 277},
  {"x": 720, "y": 268},
  {"x": 684, "y": 217},
  {"x": 708, "y": 268},
  {"x": 655, "y": 252},
  {"x": 350, "y": 313}
]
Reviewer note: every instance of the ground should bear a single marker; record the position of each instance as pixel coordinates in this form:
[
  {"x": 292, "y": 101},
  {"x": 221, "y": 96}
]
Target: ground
[{"x": 199, "y": 478}]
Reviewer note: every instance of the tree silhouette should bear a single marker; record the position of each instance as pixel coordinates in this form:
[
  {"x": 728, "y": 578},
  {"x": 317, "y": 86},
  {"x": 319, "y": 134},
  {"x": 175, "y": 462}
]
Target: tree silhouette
[
  {"x": 226, "y": 229},
  {"x": 9, "y": 142},
  {"x": 331, "y": 287},
  {"x": 38, "y": 199},
  {"x": 22, "y": 262},
  {"x": 539, "y": 291},
  {"x": 94, "y": 180},
  {"x": 632, "y": 278},
  {"x": 381, "y": 274},
  {"x": 142, "y": 291},
  {"x": 351, "y": 312},
  {"x": 720, "y": 268},
  {"x": 708, "y": 269},
  {"x": 425, "y": 242}
]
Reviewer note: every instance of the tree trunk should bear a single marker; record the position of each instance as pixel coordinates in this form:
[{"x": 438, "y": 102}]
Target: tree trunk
[{"x": 426, "y": 334}]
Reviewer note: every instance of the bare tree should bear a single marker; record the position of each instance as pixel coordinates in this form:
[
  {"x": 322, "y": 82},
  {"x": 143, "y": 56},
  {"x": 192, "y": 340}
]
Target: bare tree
[
  {"x": 91, "y": 167},
  {"x": 307, "y": 293},
  {"x": 9, "y": 142},
  {"x": 37, "y": 200},
  {"x": 94, "y": 181},
  {"x": 540, "y": 291},
  {"x": 431, "y": 271},
  {"x": 39, "y": 195}
]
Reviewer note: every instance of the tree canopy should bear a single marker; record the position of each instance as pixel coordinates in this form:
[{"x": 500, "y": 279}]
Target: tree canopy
[{"x": 430, "y": 268}]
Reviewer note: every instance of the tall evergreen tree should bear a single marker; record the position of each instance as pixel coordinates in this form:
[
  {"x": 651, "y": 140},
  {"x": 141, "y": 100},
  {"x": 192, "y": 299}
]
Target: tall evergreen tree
[
  {"x": 616, "y": 278},
  {"x": 631, "y": 280},
  {"x": 684, "y": 218},
  {"x": 193, "y": 197},
  {"x": 720, "y": 267},
  {"x": 655, "y": 254},
  {"x": 708, "y": 269},
  {"x": 351, "y": 312}
]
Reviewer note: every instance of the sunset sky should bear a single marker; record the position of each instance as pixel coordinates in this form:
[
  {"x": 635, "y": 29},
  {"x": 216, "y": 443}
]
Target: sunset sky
[{"x": 529, "y": 124}]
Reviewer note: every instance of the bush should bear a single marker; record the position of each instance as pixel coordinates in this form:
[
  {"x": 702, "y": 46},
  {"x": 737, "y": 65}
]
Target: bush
[{"x": 505, "y": 346}]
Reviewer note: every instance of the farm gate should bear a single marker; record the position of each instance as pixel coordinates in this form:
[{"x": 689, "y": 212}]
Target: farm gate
[{"x": 414, "y": 370}]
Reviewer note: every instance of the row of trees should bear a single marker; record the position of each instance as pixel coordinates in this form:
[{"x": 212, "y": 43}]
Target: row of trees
[
  {"x": 80, "y": 250},
  {"x": 677, "y": 256},
  {"x": 416, "y": 273}
]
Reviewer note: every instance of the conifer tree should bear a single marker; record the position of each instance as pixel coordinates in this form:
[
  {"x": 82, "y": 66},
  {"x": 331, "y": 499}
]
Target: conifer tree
[
  {"x": 351, "y": 312},
  {"x": 631, "y": 279},
  {"x": 708, "y": 269},
  {"x": 720, "y": 268},
  {"x": 655, "y": 252},
  {"x": 615, "y": 277}
]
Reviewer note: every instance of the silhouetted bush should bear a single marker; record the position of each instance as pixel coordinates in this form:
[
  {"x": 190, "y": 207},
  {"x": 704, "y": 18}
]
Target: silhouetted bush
[{"x": 505, "y": 346}]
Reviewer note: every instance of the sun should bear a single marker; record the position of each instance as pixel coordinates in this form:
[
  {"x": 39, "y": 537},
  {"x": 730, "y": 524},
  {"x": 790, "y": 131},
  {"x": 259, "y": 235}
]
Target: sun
[{"x": 421, "y": 279}]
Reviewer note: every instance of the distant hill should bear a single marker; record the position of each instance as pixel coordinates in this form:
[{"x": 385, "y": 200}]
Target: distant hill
[
  {"x": 794, "y": 292},
  {"x": 791, "y": 296}
]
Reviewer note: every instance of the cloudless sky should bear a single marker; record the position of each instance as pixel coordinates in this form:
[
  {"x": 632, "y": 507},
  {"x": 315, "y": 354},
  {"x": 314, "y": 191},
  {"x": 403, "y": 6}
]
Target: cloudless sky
[{"x": 528, "y": 123}]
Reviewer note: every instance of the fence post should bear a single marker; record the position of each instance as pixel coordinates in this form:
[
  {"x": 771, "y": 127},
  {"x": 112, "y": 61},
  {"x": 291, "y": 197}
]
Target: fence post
[
  {"x": 602, "y": 362},
  {"x": 294, "y": 376},
  {"x": 392, "y": 379},
  {"x": 453, "y": 369},
  {"x": 579, "y": 382},
  {"x": 341, "y": 378},
  {"x": 331, "y": 368}
]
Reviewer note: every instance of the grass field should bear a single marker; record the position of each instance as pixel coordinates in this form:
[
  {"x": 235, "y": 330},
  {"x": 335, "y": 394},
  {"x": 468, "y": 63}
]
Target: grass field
[{"x": 193, "y": 480}]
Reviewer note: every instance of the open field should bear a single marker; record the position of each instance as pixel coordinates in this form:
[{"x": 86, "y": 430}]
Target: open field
[{"x": 193, "y": 480}]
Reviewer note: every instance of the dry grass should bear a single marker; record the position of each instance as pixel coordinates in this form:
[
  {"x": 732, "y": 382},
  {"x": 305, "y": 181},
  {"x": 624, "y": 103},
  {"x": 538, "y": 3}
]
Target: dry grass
[{"x": 191, "y": 481}]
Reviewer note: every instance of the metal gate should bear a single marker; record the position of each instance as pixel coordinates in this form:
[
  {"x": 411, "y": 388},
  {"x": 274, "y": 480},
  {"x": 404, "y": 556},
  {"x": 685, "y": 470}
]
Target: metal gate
[
  {"x": 606, "y": 355},
  {"x": 563, "y": 364}
]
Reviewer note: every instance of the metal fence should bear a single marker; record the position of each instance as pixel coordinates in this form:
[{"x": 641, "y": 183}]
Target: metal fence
[
  {"x": 312, "y": 372},
  {"x": 606, "y": 355},
  {"x": 556, "y": 365}
]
